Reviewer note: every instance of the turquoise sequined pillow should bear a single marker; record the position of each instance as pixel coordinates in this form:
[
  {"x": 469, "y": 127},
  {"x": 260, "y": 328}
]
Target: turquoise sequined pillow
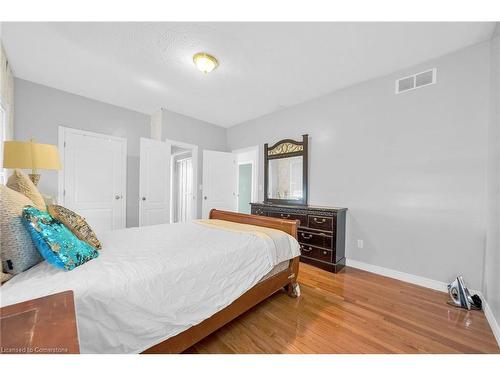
[{"x": 57, "y": 244}]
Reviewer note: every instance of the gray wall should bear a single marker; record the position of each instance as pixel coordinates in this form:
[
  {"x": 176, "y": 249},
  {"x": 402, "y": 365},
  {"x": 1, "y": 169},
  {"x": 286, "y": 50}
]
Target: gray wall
[
  {"x": 40, "y": 110},
  {"x": 411, "y": 168},
  {"x": 189, "y": 130},
  {"x": 492, "y": 258}
]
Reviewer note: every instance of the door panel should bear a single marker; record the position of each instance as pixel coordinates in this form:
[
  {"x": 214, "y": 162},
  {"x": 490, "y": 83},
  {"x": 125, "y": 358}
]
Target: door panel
[
  {"x": 154, "y": 185},
  {"x": 219, "y": 181},
  {"x": 93, "y": 193},
  {"x": 94, "y": 180}
]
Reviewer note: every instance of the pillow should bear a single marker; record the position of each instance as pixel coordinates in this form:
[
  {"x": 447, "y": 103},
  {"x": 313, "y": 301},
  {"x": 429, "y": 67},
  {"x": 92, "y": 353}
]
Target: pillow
[
  {"x": 16, "y": 248},
  {"x": 20, "y": 182},
  {"x": 75, "y": 223},
  {"x": 58, "y": 245},
  {"x": 4, "y": 276}
]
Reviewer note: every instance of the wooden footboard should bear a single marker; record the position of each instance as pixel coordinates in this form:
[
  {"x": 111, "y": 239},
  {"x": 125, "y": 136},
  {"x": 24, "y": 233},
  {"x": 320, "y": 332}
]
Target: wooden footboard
[{"x": 285, "y": 279}]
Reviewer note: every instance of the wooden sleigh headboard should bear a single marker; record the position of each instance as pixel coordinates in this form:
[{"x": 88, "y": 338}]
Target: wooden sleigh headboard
[{"x": 287, "y": 226}]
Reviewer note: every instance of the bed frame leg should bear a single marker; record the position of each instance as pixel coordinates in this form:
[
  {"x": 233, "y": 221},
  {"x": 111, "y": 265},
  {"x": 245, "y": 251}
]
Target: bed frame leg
[{"x": 293, "y": 288}]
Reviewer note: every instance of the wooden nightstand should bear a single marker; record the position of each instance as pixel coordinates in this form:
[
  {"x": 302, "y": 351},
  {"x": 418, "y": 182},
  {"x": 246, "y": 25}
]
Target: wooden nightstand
[{"x": 45, "y": 325}]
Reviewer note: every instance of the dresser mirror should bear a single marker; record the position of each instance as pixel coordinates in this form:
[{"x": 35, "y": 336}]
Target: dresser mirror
[{"x": 285, "y": 172}]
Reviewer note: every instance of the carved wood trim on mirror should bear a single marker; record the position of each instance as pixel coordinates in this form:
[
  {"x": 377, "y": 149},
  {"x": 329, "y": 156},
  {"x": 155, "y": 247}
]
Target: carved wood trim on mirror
[{"x": 282, "y": 158}]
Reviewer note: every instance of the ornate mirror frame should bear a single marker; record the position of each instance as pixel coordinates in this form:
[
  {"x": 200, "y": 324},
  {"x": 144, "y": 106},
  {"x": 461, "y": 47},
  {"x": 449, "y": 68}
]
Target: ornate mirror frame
[{"x": 287, "y": 148}]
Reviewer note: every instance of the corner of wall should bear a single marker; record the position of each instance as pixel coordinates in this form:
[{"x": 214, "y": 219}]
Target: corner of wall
[
  {"x": 491, "y": 279},
  {"x": 496, "y": 31},
  {"x": 156, "y": 125}
]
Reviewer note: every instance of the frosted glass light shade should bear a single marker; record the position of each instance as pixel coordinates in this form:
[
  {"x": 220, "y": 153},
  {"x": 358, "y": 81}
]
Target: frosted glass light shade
[{"x": 204, "y": 62}]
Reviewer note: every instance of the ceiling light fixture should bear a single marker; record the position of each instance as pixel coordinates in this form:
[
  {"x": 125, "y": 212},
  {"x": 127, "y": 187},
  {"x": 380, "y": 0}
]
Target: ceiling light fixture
[{"x": 204, "y": 62}]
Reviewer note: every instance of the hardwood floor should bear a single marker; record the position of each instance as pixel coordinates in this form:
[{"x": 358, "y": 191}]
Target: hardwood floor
[{"x": 353, "y": 312}]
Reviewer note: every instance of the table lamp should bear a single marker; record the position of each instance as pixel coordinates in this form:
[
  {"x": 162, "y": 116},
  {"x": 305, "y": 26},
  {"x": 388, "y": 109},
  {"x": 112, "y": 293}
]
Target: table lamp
[{"x": 30, "y": 155}]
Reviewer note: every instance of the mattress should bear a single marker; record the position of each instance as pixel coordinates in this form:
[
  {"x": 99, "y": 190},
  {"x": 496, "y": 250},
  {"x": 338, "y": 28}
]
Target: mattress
[
  {"x": 151, "y": 283},
  {"x": 276, "y": 269}
]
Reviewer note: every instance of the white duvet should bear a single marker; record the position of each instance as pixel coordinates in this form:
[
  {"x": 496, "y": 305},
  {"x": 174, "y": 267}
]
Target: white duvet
[{"x": 151, "y": 283}]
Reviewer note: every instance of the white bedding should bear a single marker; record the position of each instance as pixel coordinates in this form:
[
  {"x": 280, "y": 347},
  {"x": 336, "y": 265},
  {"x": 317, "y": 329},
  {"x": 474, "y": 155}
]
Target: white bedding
[{"x": 151, "y": 283}]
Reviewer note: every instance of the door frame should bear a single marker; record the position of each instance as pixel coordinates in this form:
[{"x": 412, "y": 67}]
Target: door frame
[
  {"x": 194, "y": 161},
  {"x": 61, "y": 136},
  {"x": 255, "y": 169}
]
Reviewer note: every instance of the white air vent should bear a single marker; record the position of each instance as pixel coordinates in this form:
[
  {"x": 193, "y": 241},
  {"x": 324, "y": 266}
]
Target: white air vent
[{"x": 416, "y": 81}]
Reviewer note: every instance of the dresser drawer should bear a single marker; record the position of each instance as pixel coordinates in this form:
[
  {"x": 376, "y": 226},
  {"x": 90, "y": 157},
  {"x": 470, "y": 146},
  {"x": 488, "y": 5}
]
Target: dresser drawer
[
  {"x": 316, "y": 239},
  {"x": 321, "y": 231},
  {"x": 320, "y": 222},
  {"x": 258, "y": 211},
  {"x": 301, "y": 218},
  {"x": 316, "y": 253}
]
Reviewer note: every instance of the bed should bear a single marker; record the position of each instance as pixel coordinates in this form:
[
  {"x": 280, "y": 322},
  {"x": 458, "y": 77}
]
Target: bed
[{"x": 161, "y": 289}]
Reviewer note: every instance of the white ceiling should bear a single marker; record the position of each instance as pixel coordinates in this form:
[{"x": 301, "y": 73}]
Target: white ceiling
[{"x": 263, "y": 66}]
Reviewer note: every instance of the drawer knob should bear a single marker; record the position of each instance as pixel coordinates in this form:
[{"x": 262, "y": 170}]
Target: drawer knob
[
  {"x": 307, "y": 249},
  {"x": 305, "y": 236},
  {"x": 319, "y": 221},
  {"x": 324, "y": 252},
  {"x": 283, "y": 216}
]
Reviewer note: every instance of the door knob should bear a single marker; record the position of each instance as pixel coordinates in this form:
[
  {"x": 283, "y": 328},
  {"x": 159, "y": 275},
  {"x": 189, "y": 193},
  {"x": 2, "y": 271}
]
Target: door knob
[
  {"x": 143, "y": 198},
  {"x": 117, "y": 196},
  {"x": 205, "y": 197}
]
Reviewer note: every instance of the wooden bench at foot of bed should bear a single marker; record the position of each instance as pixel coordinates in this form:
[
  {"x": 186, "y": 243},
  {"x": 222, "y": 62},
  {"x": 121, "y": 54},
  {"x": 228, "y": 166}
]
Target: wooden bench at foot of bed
[{"x": 285, "y": 279}]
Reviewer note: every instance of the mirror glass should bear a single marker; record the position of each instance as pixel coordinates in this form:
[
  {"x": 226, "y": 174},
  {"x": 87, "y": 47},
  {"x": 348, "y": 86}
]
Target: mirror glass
[{"x": 285, "y": 178}]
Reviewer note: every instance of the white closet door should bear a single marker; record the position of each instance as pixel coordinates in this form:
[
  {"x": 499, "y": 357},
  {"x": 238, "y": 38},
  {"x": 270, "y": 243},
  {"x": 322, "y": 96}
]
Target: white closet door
[
  {"x": 154, "y": 184},
  {"x": 94, "y": 177},
  {"x": 219, "y": 181}
]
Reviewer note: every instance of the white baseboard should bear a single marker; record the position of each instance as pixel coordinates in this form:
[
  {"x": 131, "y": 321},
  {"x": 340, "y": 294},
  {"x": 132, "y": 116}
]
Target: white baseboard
[
  {"x": 427, "y": 283},
  {"x": 495, "y": 328},
  {"x": 398, "y": 275}
]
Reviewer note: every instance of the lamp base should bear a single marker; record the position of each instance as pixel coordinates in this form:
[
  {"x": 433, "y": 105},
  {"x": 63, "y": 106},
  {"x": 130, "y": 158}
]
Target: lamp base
[{"x": 34, "y": 177}]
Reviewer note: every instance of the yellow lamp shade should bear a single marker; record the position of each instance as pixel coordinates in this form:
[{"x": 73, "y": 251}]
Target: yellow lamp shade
[{"x": 30, "y": 155}]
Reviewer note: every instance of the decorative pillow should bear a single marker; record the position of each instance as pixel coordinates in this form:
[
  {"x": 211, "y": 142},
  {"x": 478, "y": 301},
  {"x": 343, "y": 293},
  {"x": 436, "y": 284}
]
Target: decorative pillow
[
  {"x": 16, "y": 248},
  {"x": 75, "y": 223},
  {"x": 20, "y": 182},
  {"x": 58, "y": 245},
  {"x": 4, "y": 276}
]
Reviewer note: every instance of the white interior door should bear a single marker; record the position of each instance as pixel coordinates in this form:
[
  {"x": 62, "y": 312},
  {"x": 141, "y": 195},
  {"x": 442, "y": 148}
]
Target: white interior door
[
  {"x": 183, "y": 186},
  {"x": 154, "y": 183},
  {"x": 94, "y": 177},
  {"x": 219, "y": 181}
]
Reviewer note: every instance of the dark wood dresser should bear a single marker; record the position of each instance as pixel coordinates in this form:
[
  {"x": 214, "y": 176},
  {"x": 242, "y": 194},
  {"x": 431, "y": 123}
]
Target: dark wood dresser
[{"x": 321, "y": 232}]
